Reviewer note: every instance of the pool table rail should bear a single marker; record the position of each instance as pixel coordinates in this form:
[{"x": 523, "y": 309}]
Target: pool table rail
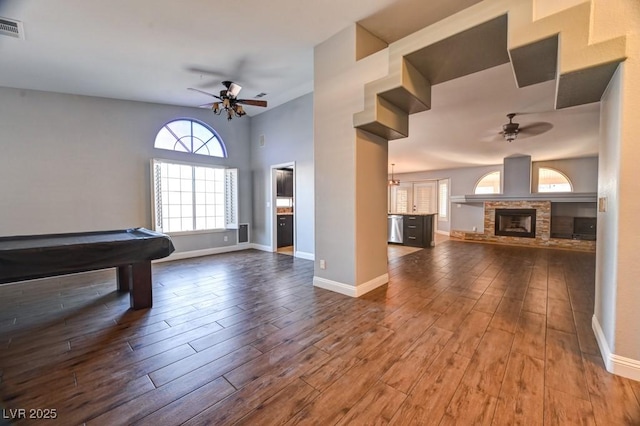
[{"x": 130, "y": 251}]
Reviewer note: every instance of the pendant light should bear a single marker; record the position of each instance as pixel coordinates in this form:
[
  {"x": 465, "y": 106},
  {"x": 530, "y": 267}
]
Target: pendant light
[{"x": 393, "y": 182}]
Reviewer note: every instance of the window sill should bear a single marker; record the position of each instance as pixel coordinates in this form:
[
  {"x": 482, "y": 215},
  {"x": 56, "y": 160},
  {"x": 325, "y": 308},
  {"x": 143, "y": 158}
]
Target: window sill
[{"x": 204, "y": 231}]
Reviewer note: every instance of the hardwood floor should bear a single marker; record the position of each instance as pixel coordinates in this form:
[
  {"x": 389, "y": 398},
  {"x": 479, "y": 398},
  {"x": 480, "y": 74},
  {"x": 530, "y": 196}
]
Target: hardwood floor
[
  {"x": 464, "y": 333},
  {"x": 286, "y": 250},
  {"x": 394, "y": 251}
]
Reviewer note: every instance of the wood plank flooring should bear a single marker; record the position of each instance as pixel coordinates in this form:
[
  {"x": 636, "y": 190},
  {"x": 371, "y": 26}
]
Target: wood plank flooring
[{"x": 464, "y": 333}]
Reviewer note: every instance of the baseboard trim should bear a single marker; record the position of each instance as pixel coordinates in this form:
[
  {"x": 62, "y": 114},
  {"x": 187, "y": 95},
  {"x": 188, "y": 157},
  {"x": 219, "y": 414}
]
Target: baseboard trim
[
  {"x": 305, "y": 255},
  {"x": 443, "y": 232},
  {"x": 226, "y": 249},
  {"x": 261, "y": 247},
  {"x": 204, "y": 252},
  {"x": 602, "y": 343},
  {"x": 349, "y": 290},
  {"x": 615, "y": 364}
]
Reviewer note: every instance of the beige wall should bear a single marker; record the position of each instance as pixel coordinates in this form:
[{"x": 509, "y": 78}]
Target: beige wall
[{"x": 371, "y": 208}]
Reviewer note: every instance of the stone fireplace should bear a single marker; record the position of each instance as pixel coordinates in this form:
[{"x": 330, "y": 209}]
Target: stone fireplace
[
  {"x": 515, "y": 223},
  {"x": 517, "y": 214},
  {"x": 520, "y": 217},
  {"x": 539, "y": 235}
]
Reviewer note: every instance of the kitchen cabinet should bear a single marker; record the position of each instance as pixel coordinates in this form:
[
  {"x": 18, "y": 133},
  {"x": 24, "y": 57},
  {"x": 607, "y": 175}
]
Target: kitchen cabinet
[
  {"x": 285, "y": 230},
  {"x": 284, "y": 183},
  {"x": 418, "y": 230}
]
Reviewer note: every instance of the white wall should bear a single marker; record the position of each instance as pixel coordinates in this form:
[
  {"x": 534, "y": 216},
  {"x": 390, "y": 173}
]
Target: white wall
[
  {"x": 627, "y": 343},
  {"x": 583, "y": 172},
  {"x": 288, "y": 138},
  {"x": 77, "y": 163},
  {"x": 607, "y": 253},
  {"x": 462, "y": 181},
  {"x": 616, "y": 315}
]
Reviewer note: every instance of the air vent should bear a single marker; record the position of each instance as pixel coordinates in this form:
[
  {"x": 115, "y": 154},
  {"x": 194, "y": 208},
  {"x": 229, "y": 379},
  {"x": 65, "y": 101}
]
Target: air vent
[
  {"x": 11, "y": 28},
  {"x": 243, "y": 233},
  {"x": 261, "y": 94}
]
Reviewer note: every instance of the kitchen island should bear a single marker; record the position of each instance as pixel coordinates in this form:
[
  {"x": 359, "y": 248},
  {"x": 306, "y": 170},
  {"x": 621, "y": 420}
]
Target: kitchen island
[{"x": 417, "y": 229}]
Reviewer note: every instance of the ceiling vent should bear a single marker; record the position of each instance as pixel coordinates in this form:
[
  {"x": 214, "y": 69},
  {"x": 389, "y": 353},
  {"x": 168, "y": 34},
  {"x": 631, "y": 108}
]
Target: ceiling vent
[{"x": 11, "y": 28}]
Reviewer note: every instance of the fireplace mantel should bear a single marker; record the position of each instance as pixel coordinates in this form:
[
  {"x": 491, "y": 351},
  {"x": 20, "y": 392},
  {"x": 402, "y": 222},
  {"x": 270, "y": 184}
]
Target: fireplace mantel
[{"x": 556, "y": 197}]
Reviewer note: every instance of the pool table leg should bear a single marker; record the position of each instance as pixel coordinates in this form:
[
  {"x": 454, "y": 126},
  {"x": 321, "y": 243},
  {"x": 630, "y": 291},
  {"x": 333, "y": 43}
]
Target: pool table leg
[
  {"x": 124, "y": 278},
  {"x": 140, "y": 291}
]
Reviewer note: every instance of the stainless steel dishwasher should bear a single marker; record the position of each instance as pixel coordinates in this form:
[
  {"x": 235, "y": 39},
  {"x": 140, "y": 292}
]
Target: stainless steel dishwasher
[{"x": 394, "y": 228}]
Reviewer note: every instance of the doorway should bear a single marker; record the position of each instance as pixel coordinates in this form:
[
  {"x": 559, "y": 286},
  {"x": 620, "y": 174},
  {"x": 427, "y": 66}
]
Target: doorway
[{"x": 283, "y": 208}]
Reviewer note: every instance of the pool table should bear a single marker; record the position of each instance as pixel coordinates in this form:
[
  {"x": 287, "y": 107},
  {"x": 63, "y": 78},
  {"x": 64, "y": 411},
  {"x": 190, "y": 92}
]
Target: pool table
[{"x": 129, "y": 250}]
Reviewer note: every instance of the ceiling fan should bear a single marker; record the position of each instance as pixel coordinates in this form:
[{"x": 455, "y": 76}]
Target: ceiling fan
[
  {"x": 511, "y": 130},
  {"x": 229, "y": 102}
]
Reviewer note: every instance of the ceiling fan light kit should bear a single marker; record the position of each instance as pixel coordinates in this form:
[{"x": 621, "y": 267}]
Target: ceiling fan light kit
[
  {"x": 232, "y": 89},
  {"x": 510, "y": 130},
  {"x": 229, "y": 102}
]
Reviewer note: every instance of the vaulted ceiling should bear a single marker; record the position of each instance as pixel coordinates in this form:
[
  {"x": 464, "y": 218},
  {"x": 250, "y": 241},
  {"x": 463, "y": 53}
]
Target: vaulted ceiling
[{"x": 153, "y": 50}]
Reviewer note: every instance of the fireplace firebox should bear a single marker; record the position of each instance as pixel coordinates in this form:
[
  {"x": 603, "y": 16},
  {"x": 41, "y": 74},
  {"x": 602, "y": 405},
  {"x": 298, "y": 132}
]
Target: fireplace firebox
[{"x": 516, "y": 222}]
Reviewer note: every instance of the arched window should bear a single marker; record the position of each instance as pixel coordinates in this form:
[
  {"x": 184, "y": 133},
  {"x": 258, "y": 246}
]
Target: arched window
[
  {"x": 488, "y": 184},
  {"x": 192, "y": 197},
  {"x": 551, "y": 180},
  {"x": 189, "y": 135}
]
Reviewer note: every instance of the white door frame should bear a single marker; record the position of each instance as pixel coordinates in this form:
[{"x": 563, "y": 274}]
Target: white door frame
[{"x": 274, "y": 208}]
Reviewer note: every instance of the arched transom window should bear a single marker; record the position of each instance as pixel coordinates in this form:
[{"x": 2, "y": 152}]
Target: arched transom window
[
  {"x": 488, "y": 184},
  {"x": 551, "y": 180},
  {"x": 189, "y": 135}
]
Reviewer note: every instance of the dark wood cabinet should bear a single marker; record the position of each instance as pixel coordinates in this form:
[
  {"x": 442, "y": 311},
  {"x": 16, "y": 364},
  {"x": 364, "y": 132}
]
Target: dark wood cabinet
[
  {"x": 418, "y": 230},
  {"x": 285, "y": 230},
  {"x": 284, "y": 183}
]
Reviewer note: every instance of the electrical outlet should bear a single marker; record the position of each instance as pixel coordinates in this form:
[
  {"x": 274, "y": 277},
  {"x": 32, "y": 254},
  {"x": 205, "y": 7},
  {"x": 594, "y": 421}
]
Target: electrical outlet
[
  {"x": 323, "y": 264},
  {"x": 475, "y": 229},
  {"x": 226, "y": 238}
]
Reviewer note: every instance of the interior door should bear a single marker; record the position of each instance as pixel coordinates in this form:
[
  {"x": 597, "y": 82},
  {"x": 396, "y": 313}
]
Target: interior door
[
  {"x": 425, "y": 197},
  {"x": 418, "y": 197}
]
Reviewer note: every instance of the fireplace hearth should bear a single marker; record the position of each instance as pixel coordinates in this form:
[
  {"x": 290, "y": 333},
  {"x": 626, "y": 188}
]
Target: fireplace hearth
[{"x": 516, "y": 222}]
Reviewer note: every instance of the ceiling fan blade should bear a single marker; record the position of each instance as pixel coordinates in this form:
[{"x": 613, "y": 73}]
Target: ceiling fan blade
[
  {"x": 217, "y": 76},
  {"x": 211, "y": 72},
  {"x": 535, "y": 128},
  {"x": 252, "y": 102},
  {"x": 492, "y": 138},
  {"x": 203, "y": 92}
]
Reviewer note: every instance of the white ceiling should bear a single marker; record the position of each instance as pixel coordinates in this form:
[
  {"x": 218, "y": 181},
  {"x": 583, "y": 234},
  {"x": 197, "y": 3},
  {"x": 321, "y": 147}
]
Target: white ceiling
[
  {"x": 461, "y": 129},
  {"x": 153, "y": 50}
]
